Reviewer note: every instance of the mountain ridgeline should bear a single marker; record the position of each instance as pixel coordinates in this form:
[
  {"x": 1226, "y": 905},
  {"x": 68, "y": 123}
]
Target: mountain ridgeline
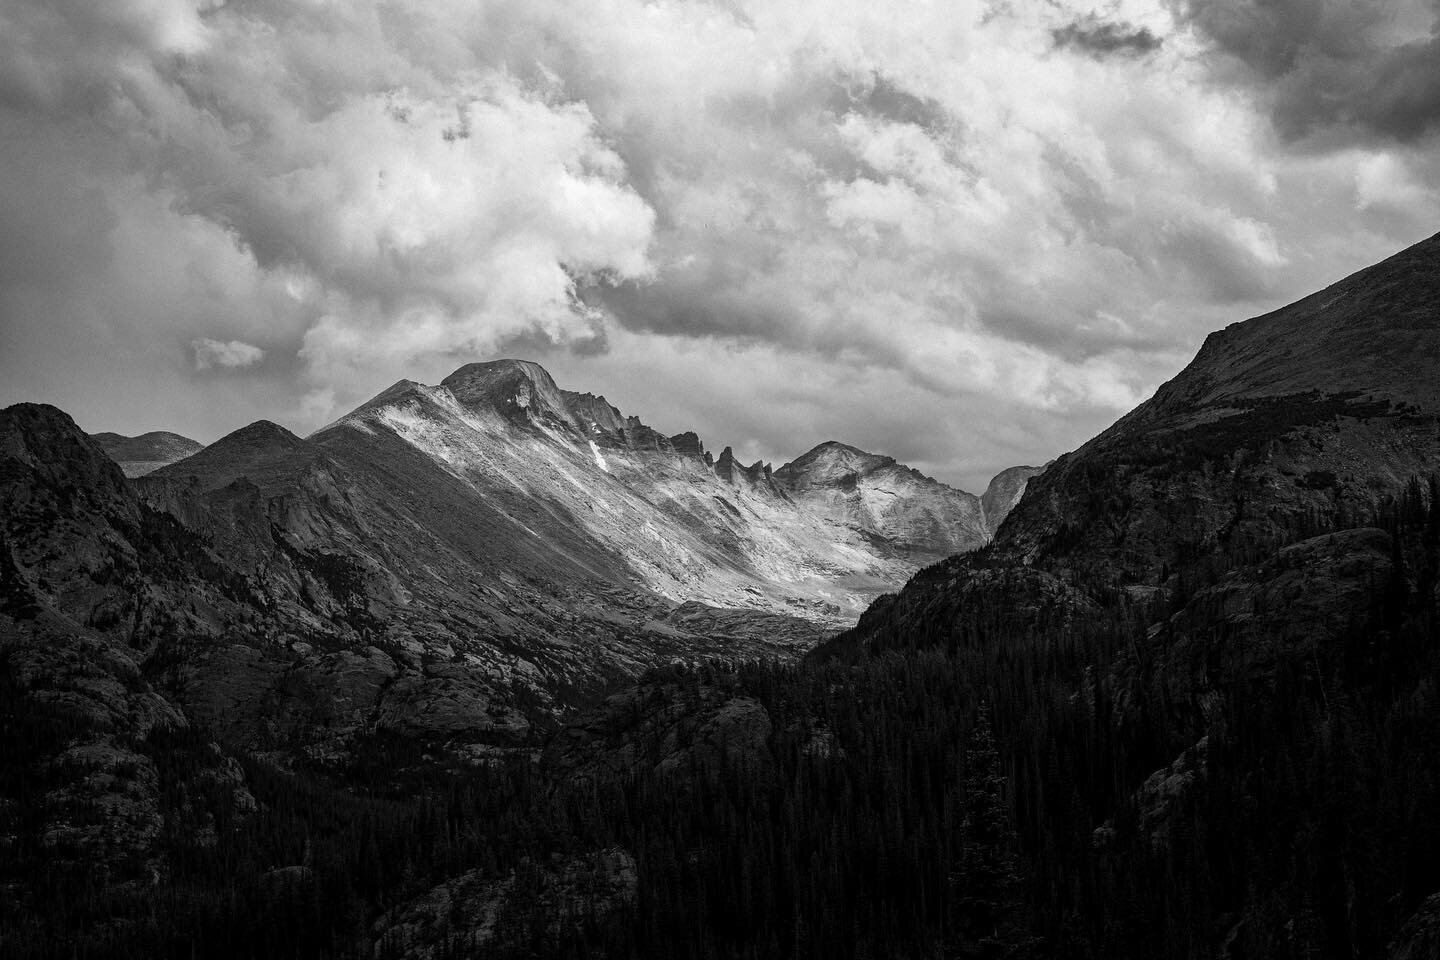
[
  {"x": 373, "y": 692},
  {"x": 140, "y": 455},
  {"x": 437, "y": 579}
]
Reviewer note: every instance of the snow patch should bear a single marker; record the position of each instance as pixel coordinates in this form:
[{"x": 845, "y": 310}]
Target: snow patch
[{"x": 599, "y": 460}]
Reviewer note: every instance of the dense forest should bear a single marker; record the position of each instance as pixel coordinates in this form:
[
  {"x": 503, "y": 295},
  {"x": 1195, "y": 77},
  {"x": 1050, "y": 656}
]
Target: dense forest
[{"x": 974, "y": 793}]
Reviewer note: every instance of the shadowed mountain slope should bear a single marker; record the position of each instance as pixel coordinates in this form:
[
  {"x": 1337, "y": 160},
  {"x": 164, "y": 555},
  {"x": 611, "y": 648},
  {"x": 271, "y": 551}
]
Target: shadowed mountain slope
[
  {"x": 1326, "y": 406},
  {"x": 1223, "y": 611}
]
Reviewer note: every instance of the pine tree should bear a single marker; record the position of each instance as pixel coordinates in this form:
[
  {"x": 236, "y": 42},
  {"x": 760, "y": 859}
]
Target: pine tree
[{"x": 987, "y": 888}]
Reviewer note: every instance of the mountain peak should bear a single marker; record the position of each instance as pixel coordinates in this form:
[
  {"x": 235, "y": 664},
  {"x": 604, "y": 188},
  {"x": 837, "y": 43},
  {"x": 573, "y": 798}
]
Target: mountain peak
[
  {"x": 147, "y": 452},
  {"x": 261, "y": 433},
  {"x": 488, "y": 370},
  {"x": 830, "y": 461},
  {"x": 248, "y": 451},
  {"x": 38, "y": 432},
  {"x": 46, "y": 441},
  {"x": 519, "y": 390}
]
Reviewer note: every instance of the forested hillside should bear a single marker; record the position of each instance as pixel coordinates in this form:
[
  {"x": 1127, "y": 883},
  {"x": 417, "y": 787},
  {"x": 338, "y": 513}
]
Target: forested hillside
[{"x": 965, "y": 798}]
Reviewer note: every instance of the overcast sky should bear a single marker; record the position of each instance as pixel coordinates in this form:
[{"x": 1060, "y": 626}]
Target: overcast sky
[{"x": 965, "y": 234}]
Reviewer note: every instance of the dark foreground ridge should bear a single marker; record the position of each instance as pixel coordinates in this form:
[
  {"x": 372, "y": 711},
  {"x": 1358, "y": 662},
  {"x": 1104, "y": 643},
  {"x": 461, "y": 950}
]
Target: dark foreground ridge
[{"x": 1184, "y": 706}]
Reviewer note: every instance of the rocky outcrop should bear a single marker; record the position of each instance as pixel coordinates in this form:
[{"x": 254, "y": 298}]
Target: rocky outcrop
[
  {"x": 1003, "y": 493},
  {"x": 1303, "y": 606},
  {"x": 520, "y": 391},
  {"x": 1157, "y": 803},
  {"x": 1419, "y": 937},
  {"x": 726, "y": 468},
  {"x": 687, "y": 445},
  {"x": 664, "y": 727},
  {"x": 594, "y": 417},
  {"x": 90, "y": 578},
  {"x": 475, "y": 913}
]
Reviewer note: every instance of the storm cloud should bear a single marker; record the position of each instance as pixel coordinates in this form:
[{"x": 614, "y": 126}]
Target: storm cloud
[
  {"x": 1334, "y": 68},
  {"x": 970, "y": 234}
]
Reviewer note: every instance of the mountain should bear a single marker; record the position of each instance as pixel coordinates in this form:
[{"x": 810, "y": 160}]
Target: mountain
[
  {"x": 1298, "y": 421},
  {"x": 891, "y": 502},
  {"x": 428, "y": 585},
  {"x": 462, "y": 563},
  {"x": 587, "y": 493},
  {"x": 458, "y": 673},
  {"x": 1225, "y": 606},
  {"x": 140, "y": 455},
  {"x": 1325, "y": 406},
  {"x": 1004, "y": 492}
]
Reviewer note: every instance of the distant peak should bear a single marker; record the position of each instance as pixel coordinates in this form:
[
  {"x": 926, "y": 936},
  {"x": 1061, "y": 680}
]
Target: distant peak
[
  {"x": 243, "y": 452},
  {"x": 261, "y": 431},
  {"x": 153, "y": 436},
  {"x": 143, "y": 453},
  {"x": 830, "y": 460},
  {"x": 834, "y": 448}
]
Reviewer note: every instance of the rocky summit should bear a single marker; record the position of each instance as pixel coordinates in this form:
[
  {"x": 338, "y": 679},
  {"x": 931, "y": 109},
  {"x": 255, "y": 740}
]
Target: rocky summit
[{"x": 896, "y": 503}]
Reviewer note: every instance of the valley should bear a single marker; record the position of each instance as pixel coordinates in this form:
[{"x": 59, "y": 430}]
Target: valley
[{"x": 488, "y": 667}]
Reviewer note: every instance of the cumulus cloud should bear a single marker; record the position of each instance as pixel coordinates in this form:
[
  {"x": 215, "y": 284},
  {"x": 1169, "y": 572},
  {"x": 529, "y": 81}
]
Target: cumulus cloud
[
  {"x": 409, "y": 205},
  {"x": 225, "y": 355},
  {"x": 1029, "y": 211}
]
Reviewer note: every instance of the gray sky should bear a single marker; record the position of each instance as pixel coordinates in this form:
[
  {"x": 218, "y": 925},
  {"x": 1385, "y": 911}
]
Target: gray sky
[{"x": 965, "y": 234}]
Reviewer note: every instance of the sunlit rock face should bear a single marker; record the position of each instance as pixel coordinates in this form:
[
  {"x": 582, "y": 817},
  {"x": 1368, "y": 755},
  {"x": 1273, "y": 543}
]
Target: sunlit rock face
[{"x": 895, "y": 504}]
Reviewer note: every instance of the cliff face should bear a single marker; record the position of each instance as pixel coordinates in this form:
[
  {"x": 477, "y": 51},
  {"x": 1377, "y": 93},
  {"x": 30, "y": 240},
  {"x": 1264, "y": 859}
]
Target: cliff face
[
  {"x": 899, "y": 504},
  {"x": 1004, "y": 492}
]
